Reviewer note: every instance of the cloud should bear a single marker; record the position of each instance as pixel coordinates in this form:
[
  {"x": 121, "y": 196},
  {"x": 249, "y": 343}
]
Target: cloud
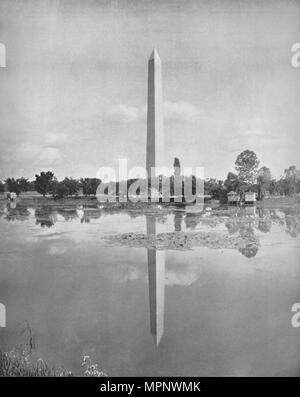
[
  {"x": 56, "y": 250},
  {"x": 122, "y": 114},
  {"x": 177, "y": 275},
  {"x": 17, "y": 155},
  {"x": 255, "y": 132},
  {"x": 55, "y": 139},
  {"x": 173, "y": 111},
  {"x": 250, "y": 137},
  {"x": 181, "y": 111},
  {"x": 33, "y": 152},
  {"x": 185, "y": 276},
  {"x": 49, "y": 156}
]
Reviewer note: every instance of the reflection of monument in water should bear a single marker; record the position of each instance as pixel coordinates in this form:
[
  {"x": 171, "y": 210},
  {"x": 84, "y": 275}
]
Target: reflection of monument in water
[
  {"x": 2, "y": 315},
  {"x": 156, "y": 279}
]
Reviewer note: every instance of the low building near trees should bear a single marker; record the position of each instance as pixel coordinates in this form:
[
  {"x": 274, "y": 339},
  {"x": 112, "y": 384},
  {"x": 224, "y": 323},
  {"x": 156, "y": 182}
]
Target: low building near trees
[
  {"x": 233, "y": 197},
  {"x": 250, "y": 198}
]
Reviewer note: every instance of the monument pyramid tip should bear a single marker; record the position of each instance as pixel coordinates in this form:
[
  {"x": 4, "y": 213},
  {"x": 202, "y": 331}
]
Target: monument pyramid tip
[
  {"x": 157, "y": 338},
  {"x": 154, "y": 54}
]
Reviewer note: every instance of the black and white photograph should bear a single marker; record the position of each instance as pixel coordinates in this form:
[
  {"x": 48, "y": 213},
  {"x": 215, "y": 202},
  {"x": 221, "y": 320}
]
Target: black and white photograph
[{"x": 149, "y": 190}]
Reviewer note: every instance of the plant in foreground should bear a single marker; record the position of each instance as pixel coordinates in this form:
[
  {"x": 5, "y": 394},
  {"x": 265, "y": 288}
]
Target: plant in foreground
[
  {"x": 19, "y": 363},
  {"x": 90, "y": 369}
]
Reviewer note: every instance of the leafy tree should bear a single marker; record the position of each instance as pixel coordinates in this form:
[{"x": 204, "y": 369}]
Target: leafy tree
[
  {"x": 59, "y": 190},
  {"x": 95, "y": 182},
  {"x": 89, "y": 185},
  {"x": 246, "y": 165},
  {"x": 43, "y": 182},
  {"x": 213, "y": 187},
  {"x": 86, "y": 185},
  {"x": 232, "y": 182},
  {"x": 12, "y": 185},
  {"x": 263, "y": 181},
  {"x": 280, "y": 186},
  {"x": 31, "y": 186},
  {"x": 2, "y": 187},
  {"x": 24, "y": 184},
  {"x": 272, "y": 186},
  {"x": 292, "y": 178},
  {"x": 45, "y": 216},
  {"x": 73, "y": 185}
]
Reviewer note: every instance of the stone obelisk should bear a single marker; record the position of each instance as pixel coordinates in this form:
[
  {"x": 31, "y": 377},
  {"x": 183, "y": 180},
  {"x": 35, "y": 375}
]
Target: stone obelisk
[{"x": 155, "y": 128}]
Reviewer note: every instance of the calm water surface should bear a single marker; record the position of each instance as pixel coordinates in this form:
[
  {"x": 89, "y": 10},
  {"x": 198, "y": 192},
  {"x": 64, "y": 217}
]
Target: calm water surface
[{"x": 138, "y": 311}]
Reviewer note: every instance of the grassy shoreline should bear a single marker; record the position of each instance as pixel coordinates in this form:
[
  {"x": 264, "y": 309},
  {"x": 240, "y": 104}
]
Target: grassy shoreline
[
  {"x": 279, "y": 202},
  {"x": 35, "y": 199}
]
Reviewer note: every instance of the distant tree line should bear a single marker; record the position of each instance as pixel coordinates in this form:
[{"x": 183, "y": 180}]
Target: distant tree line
[
  {"x": 248, "y": 177},
  {"x": 46, "y": 183}
]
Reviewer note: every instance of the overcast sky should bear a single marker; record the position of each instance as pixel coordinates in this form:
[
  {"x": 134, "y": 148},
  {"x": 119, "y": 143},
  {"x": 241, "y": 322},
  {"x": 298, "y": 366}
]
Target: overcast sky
[{"x": 73, "y": 94}]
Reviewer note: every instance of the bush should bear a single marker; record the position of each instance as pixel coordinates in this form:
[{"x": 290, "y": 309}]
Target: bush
[
  {"x": 18, "y": 363},
  {"x": 43, "y": 182},
  {"x": 59, "y": 190}
]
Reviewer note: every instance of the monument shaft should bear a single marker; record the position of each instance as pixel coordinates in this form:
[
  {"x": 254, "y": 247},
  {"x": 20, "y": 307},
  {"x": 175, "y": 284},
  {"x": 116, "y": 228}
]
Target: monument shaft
[{"x": 155, "y": 128}]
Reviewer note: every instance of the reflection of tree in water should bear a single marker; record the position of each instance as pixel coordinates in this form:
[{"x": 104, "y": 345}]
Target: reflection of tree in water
[
  {"x": 16, "y": 212},
  {"x": 162, "y": 219},
  {"x": 90, "y": 212},
  {"x": 292, "y": 222},
  {"x": 191, "y": 221},
  {"x": 243, "y": 226},
  {"x": 178, "y": 216},
  {"x": 45, "y": 216},
  {"x": 233, "y": 226},
  {"x": 264, "y": 220},
  {"x": 276, "y": 219},
  {"x": 157, "y": 216},
  {"x": 2, "y": 208},
  {"x": 132, "y": 214},
  {"x": 250, "y": 243},
  {"x": 68, "y": 213}
]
